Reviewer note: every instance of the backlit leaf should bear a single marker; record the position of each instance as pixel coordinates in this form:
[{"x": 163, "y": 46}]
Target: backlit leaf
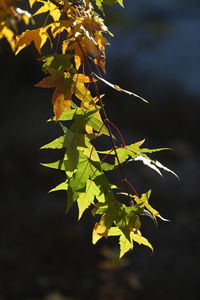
[
  {"x": 125, "y": 245},
  {"x": 51, "y": 8},
  {"x": 87, "y": 198},
  {"x": 137, "y": 237},
  {"x": 62, "y": 83},
  {"x": 60, "y": 187},
  {"x": 38, "y": 36}
]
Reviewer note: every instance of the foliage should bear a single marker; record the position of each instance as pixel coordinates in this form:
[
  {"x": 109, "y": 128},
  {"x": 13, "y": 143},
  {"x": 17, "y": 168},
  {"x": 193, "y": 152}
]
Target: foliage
[
  {"x": 76, "y": 32},
  {"x": 10, "y": 16}
]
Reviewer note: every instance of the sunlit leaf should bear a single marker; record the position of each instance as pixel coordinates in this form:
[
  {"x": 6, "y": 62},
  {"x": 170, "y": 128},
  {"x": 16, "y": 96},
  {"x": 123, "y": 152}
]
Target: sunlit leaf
[
  {"x": 60, "y": 187},
  {"x": 38, "y": 36},
  {"x": 125, "y": 245},
  {"x": 87, "y": 198},
  {"x": 62, "y": 83},
  {"x": 137, "y": 237},
  {"x": 49, "y": 7}
]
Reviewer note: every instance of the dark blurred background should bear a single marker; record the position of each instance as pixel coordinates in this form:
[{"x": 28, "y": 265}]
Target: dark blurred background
[{"x": 45, "y": 254}]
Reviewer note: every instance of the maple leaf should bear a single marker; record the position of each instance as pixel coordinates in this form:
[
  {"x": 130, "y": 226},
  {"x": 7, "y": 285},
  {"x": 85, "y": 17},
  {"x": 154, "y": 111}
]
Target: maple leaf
[
  {"x": 62, "y": 83},
  {"x": 51, "y": 8},
  {"x": 102, "y": 227},
  {"x": 66, "y": 85},
  {"x": 87, "y": 198},
  {"x": 58, "y": 62},
  {"x": 39, "y": 36},
  {"x": 86, "y": 38},
  {"x": 60, "y": 26},
  {"x": 10, "y": 16},
  {"x": 80, "y": 90},
  {"x": 127, "y": 244}
]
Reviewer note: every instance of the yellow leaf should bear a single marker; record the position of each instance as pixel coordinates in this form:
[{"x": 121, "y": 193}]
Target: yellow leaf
[
  {"x": 88, "y": 129},
  {"x": 125, "y": 245},
  {"x": 59, "y": 26},
  {"x": 62, "y": 83},
  {"x": 86, "y": 38},
  {"x": 51, "y": 8},
  {"x": 144, "y": 203},
  {"x": 77, "y": 59},
  {"x": 80, "y": 90},
  {"x": 31, "y": 2},
  {"x": 26, "y": 19},
  {"x": 39, "y": 36},
  {"x": 100, "y": 230},
  {"x": 9, "y": 35},
  {"x": 137, "y": 237}
]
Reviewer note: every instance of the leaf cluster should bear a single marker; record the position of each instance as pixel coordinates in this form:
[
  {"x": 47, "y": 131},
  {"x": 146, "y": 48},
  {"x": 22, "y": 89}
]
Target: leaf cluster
[
  {"x": 77, "y": 36},
  {"x": 10, "y": 16}
]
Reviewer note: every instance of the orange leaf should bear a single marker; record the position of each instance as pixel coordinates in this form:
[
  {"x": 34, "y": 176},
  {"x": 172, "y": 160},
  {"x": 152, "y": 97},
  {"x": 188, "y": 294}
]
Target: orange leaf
[{"x": 61, "y": 98}]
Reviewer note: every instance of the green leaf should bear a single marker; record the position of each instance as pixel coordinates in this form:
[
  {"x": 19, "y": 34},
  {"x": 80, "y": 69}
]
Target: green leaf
[
  {"x": 143, "y": 202},
  {"x": 76, "y": 143},
  {"x": 84, "y": 117},
  {"x": 132, "y": 151},
  {"x": 68, "y": 114},
  {"x": 63, "y": 165},
  {"x": 59, "y": 164},
  {"x": 107, "y": 167},
  {"x": 114, "y": 231},
  {"x": 97, "y": 125},
  {"x": 72, "y": 196},
  {"x": 58, "y": 143},
  {"x": 58, "y": 61},
  {"x": 77, "y": 184},
  {"x": 87, "y": 198},
  {"x": 60, "y": 187},
  {"x": 137, "y": 237},
  {"x": 111, "y": 2},
  {"x": 125, "y": 245},
  {"x": 85, "y": 170}
]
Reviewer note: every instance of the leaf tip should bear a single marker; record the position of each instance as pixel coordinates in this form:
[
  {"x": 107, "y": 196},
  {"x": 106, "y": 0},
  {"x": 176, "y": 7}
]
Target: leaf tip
[{"x": 163, "y": 219}]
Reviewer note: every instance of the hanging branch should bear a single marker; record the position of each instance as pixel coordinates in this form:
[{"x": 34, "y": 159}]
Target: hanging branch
[{"x": 80, "y": 32}]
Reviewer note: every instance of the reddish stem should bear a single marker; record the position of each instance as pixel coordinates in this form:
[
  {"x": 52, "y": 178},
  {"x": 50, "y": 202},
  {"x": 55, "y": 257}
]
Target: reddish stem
[
  {"x": 132, "y": 187},
  {"x": 106, "y": 155},
  {"x": 118, "y": 131},
  {"x": 125, "y": 180}
]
